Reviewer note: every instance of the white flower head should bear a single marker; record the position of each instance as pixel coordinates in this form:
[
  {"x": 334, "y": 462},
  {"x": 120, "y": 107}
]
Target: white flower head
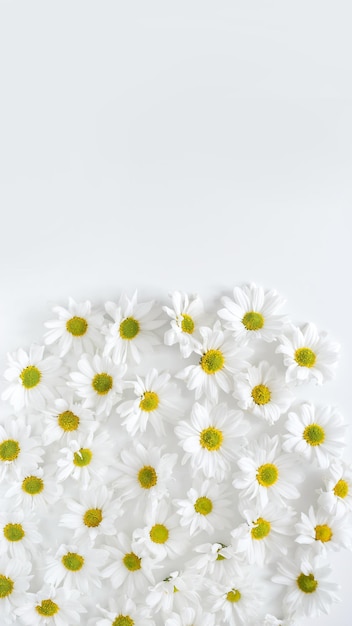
[
  {"x": 19, "y": 535},
  {"x": 14, "y": 582},
  {"x": 66, "y": 419},
  {"x": 76, "y": 567},
  {"x": 271, "y": 620},
  {"x": 175, "y": 592},
  {"x": 19, "y": 451},
  {"x": 35, "y": 490},
  {"x": 336, "y": 498},
  {"x": 323, "y": 531},
  {"x": 130, "y": 570},
  {"x": 98, "y": 382},
  {"x": 237, "y": 601},
  {"x": 215, "y": 561},
  {"x": 57, "y": 606},
  {"x": 162, "y": 536},
  {"x": 207, "y": 507},
  {"x": 187, "y": 316},
  {"x": 86, "y": 458},
  {"x": 76, "y": 329},
  {"x": 124, "y": 612}
]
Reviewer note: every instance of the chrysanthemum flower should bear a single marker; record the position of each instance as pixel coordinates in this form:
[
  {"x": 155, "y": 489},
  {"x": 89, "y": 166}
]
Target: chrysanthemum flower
[
  {"x": 35, "y": 490},
  {"x": 19, "y": 451},
  {"x": 76, "y": 328},
  {"x": 207, "y": 507},
  {"x": 86, "y": 458},
  {"x": 323, "y": 531},
  {"x": 14, "y": 582},
  {"x": 98, "y": 382},
  {"x": 336, "y": 498},
  {"x": 215, "y": 560},
  {"x": 76, "y": 567},
  {"x": 54, "y": 606},
  {"x": 130, "y": 571},
  {"x": 175, "y": 592},
  {"x": 187, "y": 316},
  {"x": 124, "y": 612},
  {"x": 236, "y": 602},
  {"x": 64, "y": 419},
  {"x": 162, "y": 536},
  {"x": 190, "y": 617},
  {"x": 19, "y": 534}
]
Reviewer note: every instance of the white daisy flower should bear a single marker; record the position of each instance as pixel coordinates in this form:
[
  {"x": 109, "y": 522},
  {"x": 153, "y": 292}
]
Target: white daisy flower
[
  {"x": 19, "y": 452},
  {"x": 317, "y": 433},
  {"x": 54, "y": 606},
  {"x": 36, "y": 490},
  {"x": 132, "y": 332},
  {"x": 157, "y": 401},
  {"x": 162, "y": 536},
  {"x": 76, "y": 328},
  {"x": 271, "y": 620},
  {"x": 253, "y": 313},
  {"x": 220, "y": 358},
  {"x": 32, "y": 378},
  {"x": 207, "y": 507},
  {"x": 95, "y": 514},
  {"x": 309, "y": 591},
  {"x": 190, "y": 617},
  {"x": 14, "y": 582},
  {"x": 215, "y": 560},
  {"x": 98, "y": 382},
  {"x": 323, "y": 531},
  {"x": 64, "y": 419},
  {"x": 19, "y": 534},
  {"x": 124, "y": 612},
  {"x": 263, "y": 392},
  {"x": 76, "y": 567},
  {"x": 308, "y": 355},
  {"x": 187, "y": 316},
  {"x": 86, "y": 458},
  {"x": 175, "y": 592},
  {"x": 235, "y": 602},
  {"x": 337, "y": 496},
  {"x": 266, "y": 474},
  {"x": 212, "y": 438},
  {"x": 130, "y": 571}
]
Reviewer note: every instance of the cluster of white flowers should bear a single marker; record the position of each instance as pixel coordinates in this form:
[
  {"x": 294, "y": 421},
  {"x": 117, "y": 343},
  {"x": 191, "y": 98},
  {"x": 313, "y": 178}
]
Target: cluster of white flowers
[{"x": 138, "y": 489}]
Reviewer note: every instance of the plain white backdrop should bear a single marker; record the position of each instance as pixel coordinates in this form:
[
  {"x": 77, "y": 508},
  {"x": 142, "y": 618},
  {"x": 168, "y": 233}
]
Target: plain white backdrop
[{"x": 191, "y": 145}]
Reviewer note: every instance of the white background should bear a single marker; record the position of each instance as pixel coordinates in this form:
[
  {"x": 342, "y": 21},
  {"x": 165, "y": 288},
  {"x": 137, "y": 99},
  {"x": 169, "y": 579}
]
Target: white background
[{"x": 191, "y": 145}]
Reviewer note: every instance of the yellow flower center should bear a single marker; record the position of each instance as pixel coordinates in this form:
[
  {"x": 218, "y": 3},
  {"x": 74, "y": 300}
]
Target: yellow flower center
[
  {"x": 203, "y": 505},
  {"x": 159, "y": 533},
  {"x": 72, "y": 561},
  {"x": 93, "y": 517},
  {"x": 147, "y": 477},
  {"x": 129, "y": 328},
  {"x": 261, "y": 394},
  {"x": 305, "y": 357},
  {"x": 253, "y": 320},
  {"x": 307, "y": 583},
  {"x": 47, "y": 608},
  {"x": 233, "y": 596},
  {"x": 132, "y": 562},
  {"x": 14, "y": 532},
  {"x": 187, "y": 324},
  {"x": 83, "y": 457},
  {"x": 211, "y": 438},
  {"x": 123, "y": 620},
  {"x": 32, "y": 485},
  {"x": 314, "y": 435},
  {"x": 323, "y": 533},
  {"x": 267, "y": 474},
  {"x": 68, "y": 421},
  {"x": 30, "y": 376},
  {"x": 77, "y": 326},
  {"x": 102, "y": 383},
  {"x": 9, "y": 450},
  {"x": 6, "y": 586},
  {"x": 149, "y": 402},
  {"x": 261, "y": 529},
  {"x": 341, "y": 488},
  {"x": 212, "y": 361},
  {"x": 220, "y": 557}
]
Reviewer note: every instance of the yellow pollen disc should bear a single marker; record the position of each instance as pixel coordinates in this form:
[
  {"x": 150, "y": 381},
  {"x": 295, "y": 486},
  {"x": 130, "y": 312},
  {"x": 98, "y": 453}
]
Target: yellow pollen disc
[
  {"x": 77, "y": 326},
  {"x": 212, "y": 361},
  {"x": 203, "y": 505},
  {"x": 211, "y": 438},
  {"x": 9, "y": 450},
  {"x": 149, "y": 401},
  {"x": 123, "y": 620},
  {"x": 253, "y": 320},
  {"x": 14, "y": 532},
  {"x": 6, "y": 586},
  {"x": 132, "y": 562},
  {"x": 33, "y": 485},
  {"x": 83, "y": 457},
  {"x": 129, "y": 328},
  {"x": 72, "y": 561},
  {"x": 261, "y": 529},
  {"x": 341, "y": 488},
  {"x": 233, "y": 596},
  {"x": 30, "y": 376},
  {"x": 323, "y": 533},
  {"x": 102, "y": 383},
  {"x": 159, "y": 533},
  {"x": 47, "y": 608},
  {"x": 305, "y": 357},
  {"x": 314, "y": 435},
  {"x": 93, "y": 517},
  {"x": 267, "y": 474},
  {"x": 68, "y": 421},
  {"x": 187, "y": 324},
  {"x": 147, "y": 477},
  {"x": 307, "y": 583},
  {"x": 261, "y": 394}
]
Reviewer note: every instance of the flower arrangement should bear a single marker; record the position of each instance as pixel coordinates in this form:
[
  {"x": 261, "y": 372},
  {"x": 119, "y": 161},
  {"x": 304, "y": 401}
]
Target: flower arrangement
[{"x": 165, "y": 465}]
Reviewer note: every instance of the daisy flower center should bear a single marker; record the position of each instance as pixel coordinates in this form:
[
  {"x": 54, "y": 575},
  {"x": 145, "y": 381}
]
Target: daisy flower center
[
  {"x": 211, "y": 438},
  {"x": 129, "y": 328},
  {"x": 307, "y": 583},
  {"x": 93, "y": 517},
  {"x": 77, "y": 326},
  {"x": 72, "y": 561},
  {"x": 149, "y": 402},
  {"x": 102, "y": 383},
  {"x": 261, "y": 394},
  {"x": 14, "y": 532},
  {"x": 314, "y": 434},
  {"x": 6, "y": 586},
  {"x": 68, "y": 421},
  {"x": 253, "y": 320},
  {"x": 220, "y": 557},
  {"x": 341, "y": 488},
  {"x": 123, "y": 620},
  {"x": 323, "y": 533},
  {"x": 203, "y": 505},
  {"x": 47, "y": 608},
  {"x": 233, "y": 596},
  {"x": 305, "y": 357},
  {"x": 212, "y": 361},
  {"x": 83, "y": 457},
  {"x": 261, "y": 529},
  {"x": 159, "y": 533},
  {"x": 147, "y": 477},
  {"x": 9, "y": 450},
  {"x": 187, "y": 324},
  {"x": 267, "y": 474},
  {"x": 32, "y": 485},
  {"x": 30, "y": 376},
  {"x": 132, "y": 562}
]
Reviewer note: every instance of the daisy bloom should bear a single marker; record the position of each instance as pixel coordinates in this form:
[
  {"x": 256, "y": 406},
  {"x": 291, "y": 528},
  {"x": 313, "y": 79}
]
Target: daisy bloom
[
  {"x": 124, "y": 612},
  {"x": 157, "y": 401},
  {"x": 36, "y": 490},
  {"x": 207, "y": 507},
  {"x": 337, "y": 496},
  {"x": 308, "y": 355},
  {"x": 309, "y": 591},
  {"x": 220, "y": 357},
  {"x": 86, "y": 458},
  {"x": 32, "y": 378},
  {"x": 323, "y": 531},
  {"x": 19, "y": 534},
  {"x": 252, "y": 313},
  {"x": 132, "y": 332},
  {"x": 54, "y": 606},
  {"x": 64, "y": 419},
  {"x": 215, "y": 560},
  {"x": 14, "y": 582},
  {"x": 18, "y": 450},
  {"x": 190, "y": 617},
  {"x": 175, "y": 592},
  {"x": 235, "y": 602},
  {"x": 76, "y": 328},
  {"x": 98, "y": 382},
  {"x": 317, "y": 433},
  {"x": 263, "y": 392},
  {"x": 187, "y": 316},
  {"x": 130, "y": 570},
  {"x": 162, "y": 536},
  {"x": 212, "y": 438},
  {"x": 76, "y": 567},
  {"x": 266, "y": 474}
]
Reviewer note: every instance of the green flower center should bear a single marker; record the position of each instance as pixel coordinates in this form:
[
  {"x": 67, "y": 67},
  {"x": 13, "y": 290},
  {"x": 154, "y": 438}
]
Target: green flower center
[
  {"x": 30, "y": 376},
  {"x": 93, "y": 517},
  {"x": 129, "y": 328},
  {"x": 77, "y": 326},
  {"x": 267, "y": 474},
  {"x": 33, "y": 485},
  {"x": 253, "y": 320},
  {"x": 203, "y": 505},
  {"x": 323, "y": 533},
  {"x": 159, "y": 533},
  {"x": 149, "y": 402},
  {"x": 261, "y": 394},
  {"x": 233, "y": 596},
  {"x": 187, "y": 324},
  {"x": 220, "y": 557},
  {"x": 14, "y": 532},
  {"x": 147, "y": 477},
  {"x": 123, "y": 620},
  {"x": 9, "y": 450},
  {"x": 132, "y": 562},
  {"x": 305, "y": 357},
  {"x": 83, "y": 457},
  {"x": 314, "y": 434},
  {"x": 47, "y": 608},
  {"x": 212, "y": 361},
  {"x": 72, "y": 561},
  {"x": 102, "y": 383},
  {"x": 341, "y": 488},
  {"x": 261, "y": 529},
  {"x": 6, "y": 586},
  {"x": 68, "y": 421},
  {"x": 307, "y": 584},
  {"x": 211, "y": 438}
]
